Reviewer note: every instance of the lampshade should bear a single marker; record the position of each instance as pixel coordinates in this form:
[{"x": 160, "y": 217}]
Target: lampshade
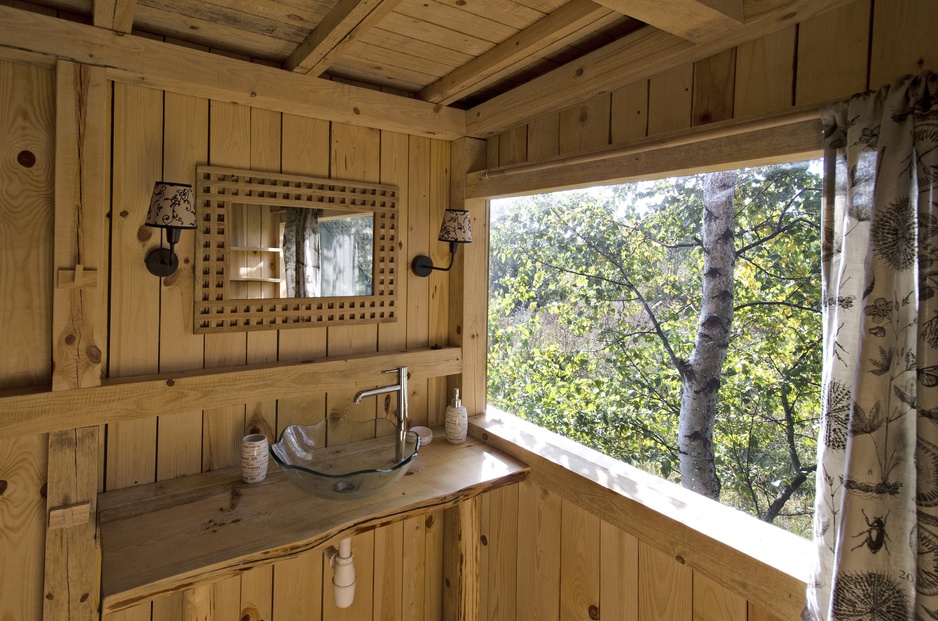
[
  {"x": 171, "y": 206},
  {"x": 456, "y": 226}
]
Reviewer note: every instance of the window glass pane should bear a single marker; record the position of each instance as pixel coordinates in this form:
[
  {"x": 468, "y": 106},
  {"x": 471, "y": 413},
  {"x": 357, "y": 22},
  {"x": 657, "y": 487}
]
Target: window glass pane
[{"x": 595, "y": 303}]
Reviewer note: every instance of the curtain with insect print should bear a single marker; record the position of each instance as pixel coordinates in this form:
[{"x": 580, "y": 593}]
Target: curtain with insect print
[{"x": 876, "y": 520}]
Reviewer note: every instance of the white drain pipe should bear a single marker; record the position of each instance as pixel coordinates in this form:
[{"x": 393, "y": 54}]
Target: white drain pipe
[{"x": 343, "y": 577}]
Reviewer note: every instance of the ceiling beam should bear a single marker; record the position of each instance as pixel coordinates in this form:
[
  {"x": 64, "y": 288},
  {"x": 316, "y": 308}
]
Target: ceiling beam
[
  {"x": 543, "y": 37},
  {"x": 694, "y": 20},
  {"x": 142, "y": 61},
  {"x": 345, "y": 24},
  {"x": 635, "y": 57},
  {"x": 116, "y": 15}
]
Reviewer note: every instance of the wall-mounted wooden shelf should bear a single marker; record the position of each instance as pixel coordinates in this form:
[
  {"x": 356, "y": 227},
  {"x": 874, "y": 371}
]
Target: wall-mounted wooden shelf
[{"x": 166, "y": 537}]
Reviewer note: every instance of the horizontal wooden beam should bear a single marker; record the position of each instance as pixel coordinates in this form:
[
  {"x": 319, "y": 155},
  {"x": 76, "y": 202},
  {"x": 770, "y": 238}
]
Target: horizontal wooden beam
[
  {"x": 40, "y": 410},
  {"x": 541, "y": 38},
  {"x": 761, "y": 562},
  {"x": 635, "y": 57},
  {"x": 713, "y": 147},
  {"x": 138, "y": 60},
  {"x": 694, "y": 20},
  {"x": 345, "y": 24},
  {"x": 212, "y": 526}
]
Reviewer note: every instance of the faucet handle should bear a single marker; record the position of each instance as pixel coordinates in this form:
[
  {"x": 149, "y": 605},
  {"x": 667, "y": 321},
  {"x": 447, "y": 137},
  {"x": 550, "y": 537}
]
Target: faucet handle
[{"x": 397, "y": 370}]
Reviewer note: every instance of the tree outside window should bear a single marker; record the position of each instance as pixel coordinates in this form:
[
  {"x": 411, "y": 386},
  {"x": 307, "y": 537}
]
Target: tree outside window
[{"x": 672, "y": 324}]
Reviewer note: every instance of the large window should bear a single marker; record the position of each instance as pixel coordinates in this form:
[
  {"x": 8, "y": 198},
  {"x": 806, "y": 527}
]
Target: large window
[{"x": 596, "y": 299}]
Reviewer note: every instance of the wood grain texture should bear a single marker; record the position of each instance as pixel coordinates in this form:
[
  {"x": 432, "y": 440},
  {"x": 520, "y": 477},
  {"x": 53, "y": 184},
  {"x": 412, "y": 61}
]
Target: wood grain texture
[
  {"x": 468, "y": 323},
  {"x": 539, "y": 550},
  {"x": 618, "y": 586},
  {"x": 665, "y": 586},
  {"x": 181, "y": 515},
  {"x": 185, "y": 145},
  {"x": 696, "y": 20},
  {"x": 499, "y": 554},
  {"x": 135, "y": 293},
  {"x": 513, "y": 146},
  {"x": 579, "y": 570},
  {"x": 742, "y": 554},
  {"x": 833, "y": 54},
  {"x": 632, "y": 58},
  {"x": 27, "y": 167},
  {"x": 670, "y": 98},
  {"x": 34, "y": 411},
  {"x": 683, "y": 152},
  {"x": 543, "y": 138},
  {"x": 629, "y": 112},
  {"x": 765, "y": 73},
  {"x": 903, "y": 40},
  {"x": 461, "y": 557},
  {"x": 585, "y": 126},
  {"x": 713, "y": 88},
  {"x": 137, "y": 59},
  {"x": 713, "y": 602}
]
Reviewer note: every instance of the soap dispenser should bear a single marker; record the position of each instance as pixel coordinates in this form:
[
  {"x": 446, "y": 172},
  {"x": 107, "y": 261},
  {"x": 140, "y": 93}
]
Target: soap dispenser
[{"x": 457, "y": 422}]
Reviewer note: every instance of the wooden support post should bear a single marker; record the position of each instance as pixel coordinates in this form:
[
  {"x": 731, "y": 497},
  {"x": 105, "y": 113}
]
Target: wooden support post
[
  {"x": 461, "y": 561},
  {"x": 71, "y": 571},
  {"x": 469, "y": 280}
]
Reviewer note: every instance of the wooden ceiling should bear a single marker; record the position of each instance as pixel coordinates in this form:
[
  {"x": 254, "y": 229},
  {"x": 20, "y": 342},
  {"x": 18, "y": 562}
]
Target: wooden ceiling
[
  {"x": 503, "y": 61},
  {"x": 453, "y": 52}
]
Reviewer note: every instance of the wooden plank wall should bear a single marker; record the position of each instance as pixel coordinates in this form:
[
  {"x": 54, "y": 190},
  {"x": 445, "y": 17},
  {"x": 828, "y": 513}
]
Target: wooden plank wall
[
  {"x": 864, "y": 45},
  {"x": 163, "y": 135},
  {"x": 545, "y": 558}
]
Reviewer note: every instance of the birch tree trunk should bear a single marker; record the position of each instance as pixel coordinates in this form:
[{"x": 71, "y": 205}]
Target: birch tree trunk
[{"x": 701, "y": 374}]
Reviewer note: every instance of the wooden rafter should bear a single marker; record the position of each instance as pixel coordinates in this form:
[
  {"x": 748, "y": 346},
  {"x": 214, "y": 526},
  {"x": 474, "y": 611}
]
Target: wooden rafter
[
  {"x": 694, "y": 20},
  {"x": 140, "y": 60},
  {"x": 541, "y": 38},
  {"x": 345, "y": 24},
  {"x": 630, "y": 59},
  {"x": 116, "y": 15}
]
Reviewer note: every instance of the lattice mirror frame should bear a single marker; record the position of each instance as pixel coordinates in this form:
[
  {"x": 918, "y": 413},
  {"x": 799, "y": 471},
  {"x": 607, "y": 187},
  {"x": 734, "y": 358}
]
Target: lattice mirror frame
[{"x": 218, "y": 189}]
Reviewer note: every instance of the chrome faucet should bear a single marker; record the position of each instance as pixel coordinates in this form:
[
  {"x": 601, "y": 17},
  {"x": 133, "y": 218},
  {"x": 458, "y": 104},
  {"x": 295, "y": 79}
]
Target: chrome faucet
[{"x": 401, "y": 388}]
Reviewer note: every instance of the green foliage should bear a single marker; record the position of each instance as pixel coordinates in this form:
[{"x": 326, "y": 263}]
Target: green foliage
[{"x": 594, "y": 302}]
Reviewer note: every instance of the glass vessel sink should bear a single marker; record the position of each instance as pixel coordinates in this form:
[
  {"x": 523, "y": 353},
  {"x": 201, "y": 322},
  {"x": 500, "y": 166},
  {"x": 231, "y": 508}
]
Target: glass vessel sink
[{"x": 342, "y": 459}]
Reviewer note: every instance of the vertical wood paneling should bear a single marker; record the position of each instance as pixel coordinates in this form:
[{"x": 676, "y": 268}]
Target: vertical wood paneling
[
  {"x": 355, "y": 155},
  {"x": 538, "y": 580},
  {"x": 712, "y": 602},
  {"x": 389, "y": 573},
  {"x": 135, "y": 293},
  {"x": 629, "y": 110},
  {"x": 433, "y": 567},
  {"x": 904, "y": 40},
  {"x": 499, "y": 554},
  {"x": 765, "y": 74},
  {"x": 543, "y": 137},
  {"x": 185, "y": 146},
  {"x": 439, "y": 303},
  {"x": 759, "y": 614},
  {"x": 222, "y": 428},
  {"x": 513, "y": 146},
  {"x": 298, "y": 588},
  {"x": 585, "y": 126},
  {"x": 832, "y": 53},
  {"x": 305, "y": 151},
  {"x": 579, "y": 563},
  {"x": 713, "y": 88},
  {"x": 665, "y": 587},
  {"x": 669, "y": 100},
  {"x": 414, "y": 564},
  {"x": 419, "y": 230},
  {"x": 618, "y": 590}
]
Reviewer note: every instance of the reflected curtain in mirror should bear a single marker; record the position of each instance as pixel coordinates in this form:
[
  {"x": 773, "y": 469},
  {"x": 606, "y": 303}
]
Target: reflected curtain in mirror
[{"x": 301, "y": 253}]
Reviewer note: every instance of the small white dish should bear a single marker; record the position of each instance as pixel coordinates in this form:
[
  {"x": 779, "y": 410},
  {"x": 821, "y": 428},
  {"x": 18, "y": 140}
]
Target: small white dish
[{"x": 424, "y": 433}]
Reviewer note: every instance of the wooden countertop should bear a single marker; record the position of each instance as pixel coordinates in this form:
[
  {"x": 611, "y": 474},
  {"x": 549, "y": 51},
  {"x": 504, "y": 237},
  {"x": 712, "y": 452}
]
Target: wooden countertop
[{"x": 165, "y": 537}]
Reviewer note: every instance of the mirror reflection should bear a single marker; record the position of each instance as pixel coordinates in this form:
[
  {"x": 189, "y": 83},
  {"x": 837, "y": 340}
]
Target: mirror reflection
[{"x": 299, "y": 252}]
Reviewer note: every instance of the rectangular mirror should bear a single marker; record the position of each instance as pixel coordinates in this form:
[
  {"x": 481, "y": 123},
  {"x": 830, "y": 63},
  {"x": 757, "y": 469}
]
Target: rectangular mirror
[{"x": 279, "y": 251}]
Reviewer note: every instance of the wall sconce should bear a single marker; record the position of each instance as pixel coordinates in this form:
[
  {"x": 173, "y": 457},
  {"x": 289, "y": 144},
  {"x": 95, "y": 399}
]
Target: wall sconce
[
  {"x": 455, "y": 230},
  {"x": 171, "y": 208}
]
